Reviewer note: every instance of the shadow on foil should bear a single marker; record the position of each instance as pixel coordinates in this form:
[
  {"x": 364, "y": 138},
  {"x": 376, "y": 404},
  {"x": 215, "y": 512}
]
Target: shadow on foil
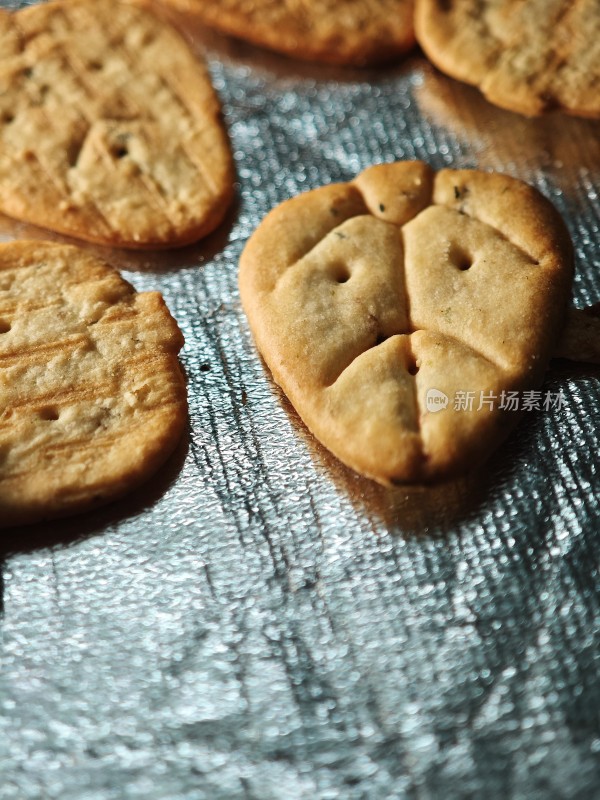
[
  {"x": 237, "y": 53},
  {"x": 159, "y": 262},
  {"x": 439, "y": 509},
  {"x": 499, "y": 139},
  {"x": 69, "y": 530}
]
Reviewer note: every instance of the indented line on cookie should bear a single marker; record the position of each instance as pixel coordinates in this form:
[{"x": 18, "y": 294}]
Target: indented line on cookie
[
  {"x": 462, "y": 260},
  {"x": 76, "y": 145},
  {"x": 43, "y": 350},
  {"x": 408, "y": 361}
]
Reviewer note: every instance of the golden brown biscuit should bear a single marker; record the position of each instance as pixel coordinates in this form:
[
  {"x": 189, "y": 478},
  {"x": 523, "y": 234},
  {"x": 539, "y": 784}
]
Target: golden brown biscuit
[
  {"x": 371, "y": 301},
  {"x": 347, "y": 32},
  {"x": 92, "y": 397},
  {"x": 110, "y": 130},
  {"x": 528, "y": 56}
]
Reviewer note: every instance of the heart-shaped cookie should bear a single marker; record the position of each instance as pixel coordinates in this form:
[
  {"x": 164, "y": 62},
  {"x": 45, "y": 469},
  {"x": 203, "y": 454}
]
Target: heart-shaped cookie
[
  {"x": 110, "y": 130},
  {"x": 398, "y": 311},
  {"x": 354, "y": 32}
]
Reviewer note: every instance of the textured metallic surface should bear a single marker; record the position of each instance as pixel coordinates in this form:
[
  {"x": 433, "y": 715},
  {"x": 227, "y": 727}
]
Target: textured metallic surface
[{"x": 259, "y": 622}]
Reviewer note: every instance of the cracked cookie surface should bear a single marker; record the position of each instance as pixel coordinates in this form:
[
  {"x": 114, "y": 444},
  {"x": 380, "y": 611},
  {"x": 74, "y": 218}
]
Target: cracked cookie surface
[
  {"x": 353, "y": 32},
  {"x": 364, "y": 296},
  {"x": 92, "y": 397},
  {"x": 110, "y": 129},
  {"x": 528, "y": 56}
]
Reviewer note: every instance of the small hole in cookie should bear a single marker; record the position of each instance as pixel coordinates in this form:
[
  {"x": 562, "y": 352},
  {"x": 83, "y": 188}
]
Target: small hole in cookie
[
  {"x": 341, "y": 273},
  {"x": 460, "y": 258},
  {"x": 49, "y": 413},
  {"x": 120, "y": 151},
  {"x": 7, "y": 117},
  {"x": 4, "y": 326},
  {"x": 412, "y": 367},
  {"x": 95, "y": 66}
]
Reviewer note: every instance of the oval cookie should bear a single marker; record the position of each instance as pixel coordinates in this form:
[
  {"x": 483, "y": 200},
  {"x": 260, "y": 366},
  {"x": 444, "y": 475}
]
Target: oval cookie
[
  {"x": 529, "y": 57},
  {"x": 110, "y": 130},
  {"x": 372, "y": 301},
  {"x": 92, "y": 397},
  {"x": 353, "y": 32}
]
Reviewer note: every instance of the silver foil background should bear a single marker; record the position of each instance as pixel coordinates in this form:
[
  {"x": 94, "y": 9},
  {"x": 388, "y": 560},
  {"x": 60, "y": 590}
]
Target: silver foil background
[{"x": 260, "y": 623}]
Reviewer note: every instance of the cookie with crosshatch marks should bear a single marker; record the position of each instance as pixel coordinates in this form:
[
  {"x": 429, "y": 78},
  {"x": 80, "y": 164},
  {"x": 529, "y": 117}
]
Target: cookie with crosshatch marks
[
  {"x": 110, "y": 130},
  {"x": 370, "y": 299},
  {"x": 92, "y": 397},
  {"x": 352, "y": 32},
  {"x": 529, "y": 57}
]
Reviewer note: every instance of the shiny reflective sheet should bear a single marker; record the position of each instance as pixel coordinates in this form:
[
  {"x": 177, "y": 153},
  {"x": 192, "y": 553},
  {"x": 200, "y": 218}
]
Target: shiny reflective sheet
[{"x": 259, "y": 622}]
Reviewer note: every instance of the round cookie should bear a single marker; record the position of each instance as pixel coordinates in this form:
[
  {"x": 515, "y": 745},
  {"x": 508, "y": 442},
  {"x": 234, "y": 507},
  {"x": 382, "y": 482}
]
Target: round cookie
[
  {"x": 372, "y": 301},
  {"x": 528, "y": 56},
  {"x": 92, "y": 397},
  {"x": 110, "y": 130},
  {"x": 353, "y": 32}
]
